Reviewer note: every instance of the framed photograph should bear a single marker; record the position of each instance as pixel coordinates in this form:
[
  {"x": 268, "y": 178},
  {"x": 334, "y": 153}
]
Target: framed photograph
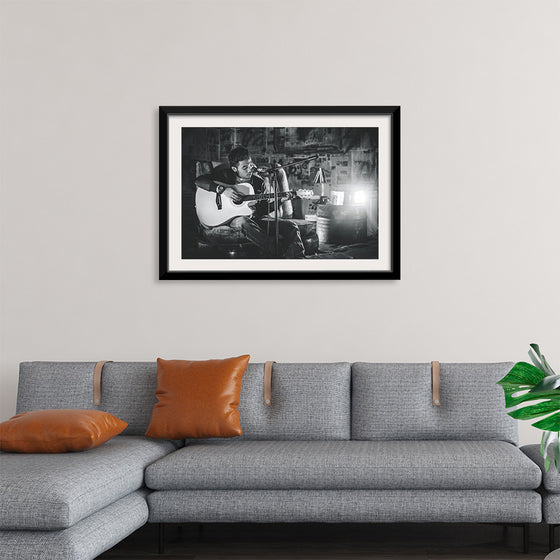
[{"x": 279, "y": 192}]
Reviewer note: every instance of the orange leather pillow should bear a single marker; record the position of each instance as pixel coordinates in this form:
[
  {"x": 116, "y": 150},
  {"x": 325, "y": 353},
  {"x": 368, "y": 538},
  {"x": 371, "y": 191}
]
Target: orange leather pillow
[
  {"x": 58, "y": 431},
  {"x": 197, "y": 399}
]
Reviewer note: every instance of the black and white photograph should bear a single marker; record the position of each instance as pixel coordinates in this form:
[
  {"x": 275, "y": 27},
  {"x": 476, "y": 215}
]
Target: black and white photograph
[{"x": 305, "y": 194}]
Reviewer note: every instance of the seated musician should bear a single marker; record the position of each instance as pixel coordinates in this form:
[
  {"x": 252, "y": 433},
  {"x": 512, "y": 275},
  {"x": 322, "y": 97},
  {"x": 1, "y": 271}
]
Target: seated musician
[{"x": 258, "y": 230}]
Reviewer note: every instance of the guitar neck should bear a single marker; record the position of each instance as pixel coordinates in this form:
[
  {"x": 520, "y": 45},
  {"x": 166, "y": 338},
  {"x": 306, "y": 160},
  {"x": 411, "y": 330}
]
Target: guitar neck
[
  {"x": 260, "y": 196},
  {"x": 264, "y": 196}
]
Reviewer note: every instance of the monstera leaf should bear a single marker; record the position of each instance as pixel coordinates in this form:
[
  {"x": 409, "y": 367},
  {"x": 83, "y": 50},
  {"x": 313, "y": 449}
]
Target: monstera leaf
[{"x": 526, "y": 383}]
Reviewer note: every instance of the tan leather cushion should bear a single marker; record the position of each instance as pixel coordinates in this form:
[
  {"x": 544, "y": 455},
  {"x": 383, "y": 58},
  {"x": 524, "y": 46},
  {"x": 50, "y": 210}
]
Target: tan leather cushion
[
  {"x": 197, "y": 399},
  {"x": 58, "y": 430}
]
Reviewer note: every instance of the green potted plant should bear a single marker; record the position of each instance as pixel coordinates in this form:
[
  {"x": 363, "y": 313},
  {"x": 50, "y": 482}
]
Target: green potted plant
[{"x": 526, "y": 383}]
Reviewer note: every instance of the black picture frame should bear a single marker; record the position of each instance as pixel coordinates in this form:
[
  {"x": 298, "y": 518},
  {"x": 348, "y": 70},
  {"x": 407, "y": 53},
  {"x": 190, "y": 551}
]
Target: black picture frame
[{"x": 169, "y": 116}]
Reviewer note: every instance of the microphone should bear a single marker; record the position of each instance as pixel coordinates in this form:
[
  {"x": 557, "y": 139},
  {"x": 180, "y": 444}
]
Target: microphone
[{"x": 260, "y": 169}]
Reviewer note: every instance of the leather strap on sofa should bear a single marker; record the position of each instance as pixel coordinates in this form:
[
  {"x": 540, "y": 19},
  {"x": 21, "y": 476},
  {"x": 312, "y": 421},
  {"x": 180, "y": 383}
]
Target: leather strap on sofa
[
  {"x": 435, "y": 383},
  {"x": 97, "y": 371},
  {"x": 268, "y": 383}
]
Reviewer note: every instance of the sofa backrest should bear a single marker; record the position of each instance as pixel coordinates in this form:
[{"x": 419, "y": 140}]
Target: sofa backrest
[
  {"x": 394, "y": 401},
  {"x": 127, "y": 389},
  {"x": 309, "y": 401},
  {"x": 44, "y": 385}
]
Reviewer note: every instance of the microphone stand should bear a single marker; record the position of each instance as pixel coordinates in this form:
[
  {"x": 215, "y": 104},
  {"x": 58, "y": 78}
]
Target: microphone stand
[{"x": 274, "y": 184}]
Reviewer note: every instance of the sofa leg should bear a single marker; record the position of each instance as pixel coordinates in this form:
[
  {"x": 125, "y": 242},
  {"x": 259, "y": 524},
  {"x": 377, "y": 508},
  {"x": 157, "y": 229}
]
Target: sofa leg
[
  {"x": 551, "y": 535},
  {"x": 161, "y": 538},
  {"x": 525, "y": 538}
]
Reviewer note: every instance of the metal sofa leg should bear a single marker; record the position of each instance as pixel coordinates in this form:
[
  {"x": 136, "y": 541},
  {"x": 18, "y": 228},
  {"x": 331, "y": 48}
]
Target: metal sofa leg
[
  {"x": 551, "y": 535},
  {"x": 525, "y": 538},
  {"x": 161, "y": 538}
]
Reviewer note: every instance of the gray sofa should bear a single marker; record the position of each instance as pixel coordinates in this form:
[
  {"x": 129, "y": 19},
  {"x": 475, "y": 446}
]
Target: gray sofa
[{"x": 341, "y": 442}]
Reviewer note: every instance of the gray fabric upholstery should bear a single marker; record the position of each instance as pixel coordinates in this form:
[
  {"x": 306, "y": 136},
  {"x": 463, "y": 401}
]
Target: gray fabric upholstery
[
  {"x": 54, "y": 491},
  {"x": 550, "y": 489},
  {"x": 128, "y": 391},
  {"x": 309, "y": 402},
  {"x": 550, "y": 478},
  {"x": 85, "y": 540},
  {"x": 351, "y": 465},
  {"x": 44, "y": 385},
  {"x": 368, "y": 506},
  {"x": 394, "y": 401},
  {"x": 551, "y": 508}
]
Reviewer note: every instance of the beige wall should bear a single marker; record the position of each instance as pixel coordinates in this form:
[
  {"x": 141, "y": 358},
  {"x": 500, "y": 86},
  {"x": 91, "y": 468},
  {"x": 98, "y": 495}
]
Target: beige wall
[{"x": 81, "y": 81}]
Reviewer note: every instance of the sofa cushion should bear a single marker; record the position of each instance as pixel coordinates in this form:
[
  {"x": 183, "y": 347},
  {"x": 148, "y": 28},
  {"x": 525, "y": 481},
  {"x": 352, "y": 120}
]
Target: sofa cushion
[
  {"x": 54, "y": 491},
  {"x": 550, "y": 478},
  {"x": 127, "y": 389},
  {"x": 45, "y": 385},
  {"x": 85, "y": 540},
  {"x": 551, "y": 508},
  {"x": 309, "y": 402},
  {"x": 394, "y": 401},
  {"x": 329, "y": 465}
]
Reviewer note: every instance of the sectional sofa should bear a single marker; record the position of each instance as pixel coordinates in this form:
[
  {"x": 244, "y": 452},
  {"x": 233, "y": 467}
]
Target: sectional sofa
[{"x": 340, "y": 442}]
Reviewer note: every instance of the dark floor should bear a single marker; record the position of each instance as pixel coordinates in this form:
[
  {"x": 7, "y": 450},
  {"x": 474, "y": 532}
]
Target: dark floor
[
  {"x": 366, "y": 250},
  {"x": 334, "y": 541}
]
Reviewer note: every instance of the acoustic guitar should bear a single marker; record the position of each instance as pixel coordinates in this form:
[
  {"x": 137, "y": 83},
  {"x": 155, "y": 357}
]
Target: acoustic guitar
[{"x": 211, "y": 216}]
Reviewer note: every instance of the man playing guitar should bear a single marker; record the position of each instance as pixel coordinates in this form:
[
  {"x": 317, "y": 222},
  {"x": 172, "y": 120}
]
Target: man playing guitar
[{"x": 223, "y": 181}]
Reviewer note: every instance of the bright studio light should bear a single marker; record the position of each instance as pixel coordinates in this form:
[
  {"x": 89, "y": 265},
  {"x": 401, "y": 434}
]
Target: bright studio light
[{"x": 359, "y": 197}]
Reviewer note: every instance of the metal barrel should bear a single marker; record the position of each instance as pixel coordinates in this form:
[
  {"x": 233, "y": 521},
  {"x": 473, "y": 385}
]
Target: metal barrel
[{"x": 341, "y": 224}]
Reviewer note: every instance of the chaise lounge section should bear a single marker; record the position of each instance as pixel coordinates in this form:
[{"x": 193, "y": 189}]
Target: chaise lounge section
[{"x": 74, "y": 506}]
